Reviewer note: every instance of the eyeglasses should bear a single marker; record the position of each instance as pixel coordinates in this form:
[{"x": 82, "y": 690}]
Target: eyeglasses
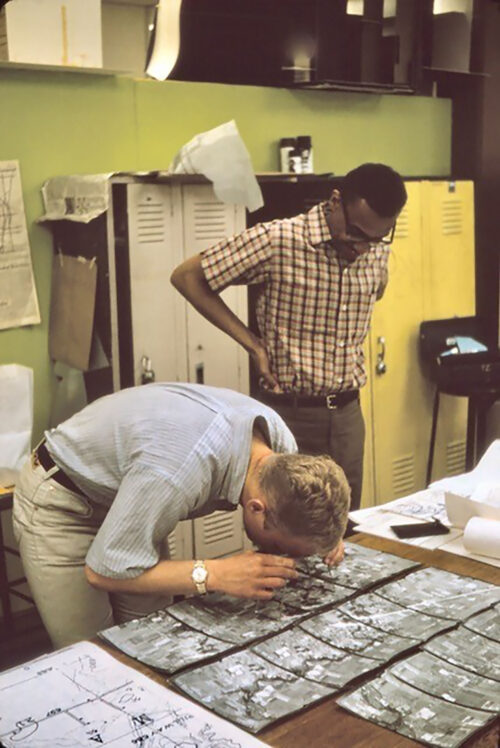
[{"x": 356, "y": 236}]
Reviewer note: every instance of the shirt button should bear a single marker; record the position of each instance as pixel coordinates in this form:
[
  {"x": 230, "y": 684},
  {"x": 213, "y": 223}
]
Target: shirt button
[
  {"x": 341, "y": 344},
  {"x": 344, "y": 307},
  {"x": 340, "y": 380}
]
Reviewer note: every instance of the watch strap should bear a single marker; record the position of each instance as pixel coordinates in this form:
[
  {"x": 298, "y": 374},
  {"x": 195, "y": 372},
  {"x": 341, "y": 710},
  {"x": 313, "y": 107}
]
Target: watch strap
[{"x": 201, "y": 586}]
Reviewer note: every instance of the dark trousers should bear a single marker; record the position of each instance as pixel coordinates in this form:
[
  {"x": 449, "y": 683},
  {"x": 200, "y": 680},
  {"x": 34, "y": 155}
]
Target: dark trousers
[{"x": 339, "y": 433}]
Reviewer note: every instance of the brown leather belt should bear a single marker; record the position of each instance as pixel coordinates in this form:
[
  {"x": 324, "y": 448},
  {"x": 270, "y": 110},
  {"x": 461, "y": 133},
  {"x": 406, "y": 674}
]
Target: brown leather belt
[
  {"x": 45, "y": 460},
  {"x": 332, "y": 401}
]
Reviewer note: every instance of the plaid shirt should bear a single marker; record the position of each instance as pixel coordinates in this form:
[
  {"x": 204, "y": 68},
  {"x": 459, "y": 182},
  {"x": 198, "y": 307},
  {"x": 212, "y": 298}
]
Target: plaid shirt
[{"x": 313, "y": 308}]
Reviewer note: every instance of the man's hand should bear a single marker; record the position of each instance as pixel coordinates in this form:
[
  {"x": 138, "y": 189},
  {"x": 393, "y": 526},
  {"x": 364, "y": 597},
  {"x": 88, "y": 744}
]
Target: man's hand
[
  {"x": 336, "y": 555},
  {"x": 250, "y": 574},
  {"x": 260, "y": 360}
]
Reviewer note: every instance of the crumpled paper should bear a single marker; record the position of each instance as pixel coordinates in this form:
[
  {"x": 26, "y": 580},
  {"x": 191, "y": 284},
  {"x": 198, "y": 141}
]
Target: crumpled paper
[
  {"x": 474, "y": 494},
  {"x": 221, "y": 155}
]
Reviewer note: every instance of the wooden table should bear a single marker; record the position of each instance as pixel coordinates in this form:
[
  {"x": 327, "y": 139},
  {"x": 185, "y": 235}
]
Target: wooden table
[{"x": 327, "y": 725}]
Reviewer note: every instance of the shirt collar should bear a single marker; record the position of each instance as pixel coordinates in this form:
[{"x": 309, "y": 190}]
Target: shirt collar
[{"x": 317, "y": 229}]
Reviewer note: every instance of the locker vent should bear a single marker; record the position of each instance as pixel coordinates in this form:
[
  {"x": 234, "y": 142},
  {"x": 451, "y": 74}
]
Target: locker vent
[
  {"x": 403, "y": 225},
  {"x": 172, "y": 545},
  {"x": 150, "y": 222},
  {"x": 403, "y": 476},
  {"x": 219, "y": 526},
  {"x": 451, "y": 216},
  {"x": 209, "y": 221},
  {"x": 455, "y": 457}
]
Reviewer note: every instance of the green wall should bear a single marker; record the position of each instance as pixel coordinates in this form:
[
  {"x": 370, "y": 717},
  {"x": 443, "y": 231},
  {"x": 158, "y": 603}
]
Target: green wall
[{"x": 66, "y": 123}]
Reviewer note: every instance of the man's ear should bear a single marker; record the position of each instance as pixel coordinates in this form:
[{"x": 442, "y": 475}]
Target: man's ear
[
  {"x": 256, "y": 506},
  {"x": 335, "y": 196}
]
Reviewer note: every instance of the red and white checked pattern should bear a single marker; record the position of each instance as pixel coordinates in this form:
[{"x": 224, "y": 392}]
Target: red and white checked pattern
[{"x": 313, "y": 309}]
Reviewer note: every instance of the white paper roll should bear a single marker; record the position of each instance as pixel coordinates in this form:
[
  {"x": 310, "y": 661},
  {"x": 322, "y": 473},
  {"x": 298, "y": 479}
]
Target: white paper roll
[{"x": 482, "y": 536}]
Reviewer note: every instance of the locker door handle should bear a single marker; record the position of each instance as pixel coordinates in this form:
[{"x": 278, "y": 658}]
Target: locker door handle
[
  {"x": 199, "y": 371},
  {"x": 147, "y": 374},
  {"x": 381, "y": 366}
]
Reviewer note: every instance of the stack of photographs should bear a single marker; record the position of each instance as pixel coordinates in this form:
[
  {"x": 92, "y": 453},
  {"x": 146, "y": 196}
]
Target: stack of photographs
[
  {"x": 235, "y": 620},
  {"x": 309, "y": 657},
  {"x": 340, "y": 630},
  {"x": 362, "y": 567},
  {"x": 473, "y": 652},
  {"x": 486, "y": 623},
  {"x": 386, "y": 615},
  {"x": 254, "y": 662},
  {"x": 250, "y": 691},
  {"x": 436, "y": 677},
  {"x": 445, "y": 693},
  {"x": 396, "y": 705},
  {"x": 441, "y": 593},
  {"x": 163, "y": 642}
]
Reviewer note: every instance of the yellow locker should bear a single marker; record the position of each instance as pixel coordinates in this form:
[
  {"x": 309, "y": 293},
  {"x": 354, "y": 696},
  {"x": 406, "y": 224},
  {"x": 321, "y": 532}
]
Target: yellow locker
[
  {"x": 448, "y": 236},
  {"x": 449, "y": 274},
  {"x": 400, "y": 393},
  {"x": 368, "y": 495}
]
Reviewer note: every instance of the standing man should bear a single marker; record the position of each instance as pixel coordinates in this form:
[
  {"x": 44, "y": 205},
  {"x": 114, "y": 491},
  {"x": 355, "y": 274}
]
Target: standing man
[
  {"x": 318, "y": 276},
  {"x": 94, "y": 506}
]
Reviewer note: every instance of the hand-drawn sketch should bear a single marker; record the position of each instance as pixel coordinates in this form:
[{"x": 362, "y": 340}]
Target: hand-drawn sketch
[
  {"x": 340, "y": 630},
  {"x": 249, "y": 690},
  {"x": 431, "y": 675},
  {"x": 486, "y": 623},
  {"x": 390, "y": 703},
  {"x": 310, "y": 593},
  {"x": 163, "y": 642},
  {"x": 386, "y": 615},
  {"x": 311, "y": 658},
  {"x": 233, "y": 620},
  {"x": 361, "y": 567},
  {"x": 441, "y": 593},
  {"x": 468, "y": 650},
  {"x": 81, "y": 696},
  {"x": 18, "y": 299}
]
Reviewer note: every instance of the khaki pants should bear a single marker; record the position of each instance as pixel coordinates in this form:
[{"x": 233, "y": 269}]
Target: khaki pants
[
  {"x": 55, "y": 528},
  {"x": 339, "y": 433}
]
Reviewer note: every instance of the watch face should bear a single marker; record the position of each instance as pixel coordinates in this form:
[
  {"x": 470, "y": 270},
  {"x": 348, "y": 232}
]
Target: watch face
[{"x": 199, "y": 575}]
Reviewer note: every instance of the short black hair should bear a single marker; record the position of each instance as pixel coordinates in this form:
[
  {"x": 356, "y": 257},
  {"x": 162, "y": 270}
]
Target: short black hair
[{"x": 381, "y": 187}]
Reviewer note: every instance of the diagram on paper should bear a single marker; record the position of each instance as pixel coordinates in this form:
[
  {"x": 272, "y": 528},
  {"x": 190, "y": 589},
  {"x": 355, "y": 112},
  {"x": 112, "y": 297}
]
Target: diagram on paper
[
  {"x": 82, "y": 696},
  {"x": 18, "y": 299}
]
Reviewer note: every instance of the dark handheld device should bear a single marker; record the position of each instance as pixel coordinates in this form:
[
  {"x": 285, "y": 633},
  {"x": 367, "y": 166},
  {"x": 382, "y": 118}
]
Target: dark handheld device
[{"x": 420, "y": 530}]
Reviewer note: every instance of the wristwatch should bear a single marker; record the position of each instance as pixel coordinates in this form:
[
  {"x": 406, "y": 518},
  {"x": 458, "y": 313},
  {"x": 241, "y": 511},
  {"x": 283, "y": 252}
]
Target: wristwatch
[{"x": 199, "y": 576}]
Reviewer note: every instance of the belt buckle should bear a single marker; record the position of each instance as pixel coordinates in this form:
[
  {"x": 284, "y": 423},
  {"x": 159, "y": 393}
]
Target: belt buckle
[{"x": 331, "y": 403}]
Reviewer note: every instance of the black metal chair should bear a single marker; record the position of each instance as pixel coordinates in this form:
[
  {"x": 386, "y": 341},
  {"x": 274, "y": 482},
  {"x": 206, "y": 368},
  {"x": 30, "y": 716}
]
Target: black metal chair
[{"x": 472, "y": 375}]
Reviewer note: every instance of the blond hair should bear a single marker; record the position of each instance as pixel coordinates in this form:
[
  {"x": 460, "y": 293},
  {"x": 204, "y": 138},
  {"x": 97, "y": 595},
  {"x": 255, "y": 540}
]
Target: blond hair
[{"x": 308, "y": 496}]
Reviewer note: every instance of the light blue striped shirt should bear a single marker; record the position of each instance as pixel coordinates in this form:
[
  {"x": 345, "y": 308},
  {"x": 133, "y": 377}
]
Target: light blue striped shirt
[{"x": 156, "y": 455}]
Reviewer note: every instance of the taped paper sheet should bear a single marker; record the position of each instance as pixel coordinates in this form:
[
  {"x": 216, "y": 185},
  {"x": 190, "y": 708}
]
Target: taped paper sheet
[
  {"x": 18, "y": 299},
  {"x": 79, "y": 197}
]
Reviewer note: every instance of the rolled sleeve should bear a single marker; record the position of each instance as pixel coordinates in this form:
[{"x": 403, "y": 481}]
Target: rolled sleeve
[
  {"x": 146, "y": 509},
  {"x": 240, "y": 260}
]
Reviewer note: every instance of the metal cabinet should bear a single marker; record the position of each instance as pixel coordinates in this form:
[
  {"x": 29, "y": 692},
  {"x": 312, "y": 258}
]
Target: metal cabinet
[
  {"x": 431, "y": 276},
  {"x": 153, "y": 225}
]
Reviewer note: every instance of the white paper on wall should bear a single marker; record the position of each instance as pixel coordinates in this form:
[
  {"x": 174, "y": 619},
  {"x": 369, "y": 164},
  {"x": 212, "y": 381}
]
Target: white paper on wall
[
  {"x": 16, "y": 418},
  {"x": 18, "y": 299}
]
